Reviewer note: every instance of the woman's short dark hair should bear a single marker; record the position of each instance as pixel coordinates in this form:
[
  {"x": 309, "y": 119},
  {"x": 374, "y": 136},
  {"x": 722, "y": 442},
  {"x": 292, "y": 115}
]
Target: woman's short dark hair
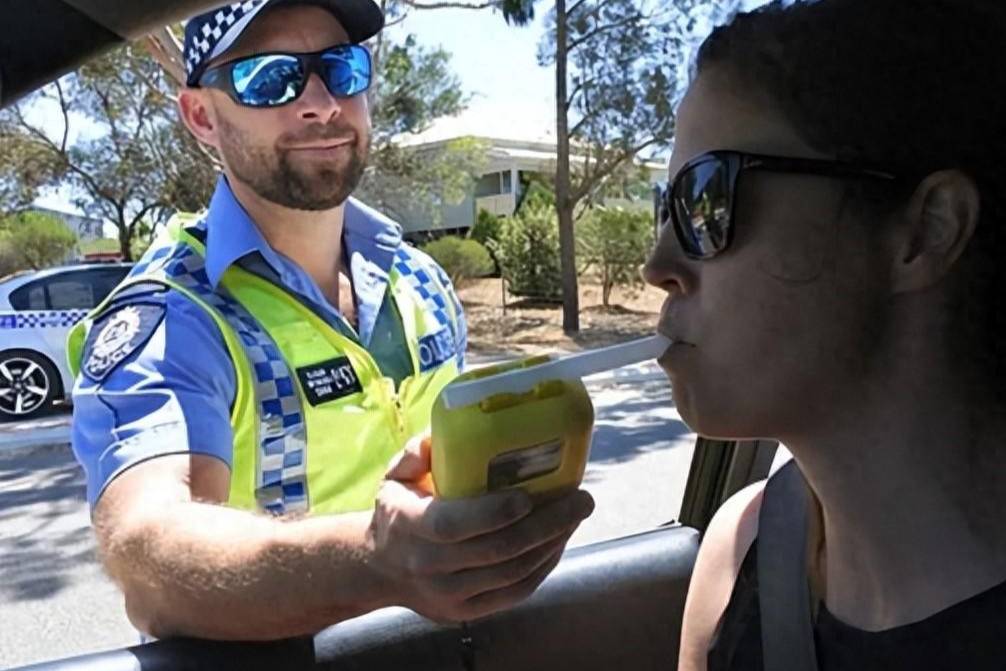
[{"x": 917, "y": 84}]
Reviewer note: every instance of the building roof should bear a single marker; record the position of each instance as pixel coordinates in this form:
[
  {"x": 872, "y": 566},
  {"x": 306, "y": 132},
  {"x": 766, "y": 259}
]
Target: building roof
[
  {"x": 522, "y": 140},
  {"x": 473, "y": 123}
]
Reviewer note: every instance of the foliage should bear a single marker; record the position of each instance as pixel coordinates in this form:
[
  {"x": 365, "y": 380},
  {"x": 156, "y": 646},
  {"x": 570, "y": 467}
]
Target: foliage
[
  {"x": 8, "y": 258},
  {"x": 537, "y": 193},
  {"x": 487, "y": 227},
  {"x": 120, "y": 148},
  {"x": 623, "y": 58},
  {"x": 100, "y": 246},
  {"x": 614, "y": 243},
  {"x": 406, "y": 183},
  {"x": 141, "y": 241},
  {"x": 618, "y": 66},
  {"x": 528, "y": 252},
  {"x": 34, "y": 241},
  {"x": 461, "y": 258},
  {"x": 630, "y": 182},
  {"x": 515, "y": 12},
  {"x": 414, "y": 88}
]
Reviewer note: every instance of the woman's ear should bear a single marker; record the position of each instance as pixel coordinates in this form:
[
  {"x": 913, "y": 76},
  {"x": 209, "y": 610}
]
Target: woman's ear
[
  {"x": 198, "y": 115},
  {"x": 939, "y": 223}
]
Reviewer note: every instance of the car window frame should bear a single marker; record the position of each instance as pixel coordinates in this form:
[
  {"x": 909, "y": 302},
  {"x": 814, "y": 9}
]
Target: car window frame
[{"x": 46, "y": 282}]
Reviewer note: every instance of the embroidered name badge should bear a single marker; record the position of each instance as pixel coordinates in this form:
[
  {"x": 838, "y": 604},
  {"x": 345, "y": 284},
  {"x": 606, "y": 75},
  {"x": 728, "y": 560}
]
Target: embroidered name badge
[
  {"x": 329, "y": 381},
  {"x": 436, "y": 349},
  {"x": 115, "y": 337}
]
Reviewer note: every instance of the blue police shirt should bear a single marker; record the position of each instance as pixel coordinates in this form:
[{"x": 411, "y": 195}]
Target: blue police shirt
[{"x": 173, "y": 394}]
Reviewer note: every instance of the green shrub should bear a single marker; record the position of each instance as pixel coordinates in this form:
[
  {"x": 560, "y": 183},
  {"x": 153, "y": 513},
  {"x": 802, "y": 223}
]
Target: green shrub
[
  {"x": 487, "y": 231},
  {"x": 9, "y": 262},
  {"x": 614, "y": 243},
  {"x": 487, "y": 227},
  {"x": 37, "y": 240},
  {"x": 462, "y": 259},
  {"x": 538, "y": 193},
  {"x": 528, "y": 252}
]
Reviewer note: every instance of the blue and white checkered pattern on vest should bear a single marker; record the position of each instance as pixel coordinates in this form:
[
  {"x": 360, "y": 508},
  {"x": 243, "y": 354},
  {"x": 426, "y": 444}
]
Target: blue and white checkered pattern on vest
[
  {"x": 419, "y": 278},
  {"x": 281, "y": 485}
]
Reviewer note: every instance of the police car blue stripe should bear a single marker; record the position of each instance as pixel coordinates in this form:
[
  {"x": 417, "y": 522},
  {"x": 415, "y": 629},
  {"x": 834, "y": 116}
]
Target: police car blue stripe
[{"x": 41, "y": 320}]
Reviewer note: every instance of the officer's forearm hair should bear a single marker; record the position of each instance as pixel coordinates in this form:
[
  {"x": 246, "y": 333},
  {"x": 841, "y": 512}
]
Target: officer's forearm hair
[
  {"x": 195, "y": 568},
  {"x": 189, "y": 566}
]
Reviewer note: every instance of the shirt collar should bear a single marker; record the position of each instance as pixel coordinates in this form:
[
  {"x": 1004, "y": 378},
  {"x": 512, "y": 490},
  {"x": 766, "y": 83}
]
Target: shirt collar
[{"x": 371, "y": 239}]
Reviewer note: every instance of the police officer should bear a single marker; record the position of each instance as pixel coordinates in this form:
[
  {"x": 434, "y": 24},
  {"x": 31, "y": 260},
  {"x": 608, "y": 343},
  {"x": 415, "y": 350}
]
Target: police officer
[{"x": 241, "y": 395}]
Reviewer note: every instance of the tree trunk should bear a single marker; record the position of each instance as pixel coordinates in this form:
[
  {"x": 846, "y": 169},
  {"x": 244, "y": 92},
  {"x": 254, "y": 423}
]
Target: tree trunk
[
  {"x": 606, "y": 287},
  {"x": 125, "y": 243},
  {"x": 563, "y": 186}
]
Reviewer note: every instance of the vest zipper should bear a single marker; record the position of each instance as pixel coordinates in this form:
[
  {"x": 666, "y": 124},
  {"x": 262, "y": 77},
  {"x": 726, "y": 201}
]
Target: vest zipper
[{"x": 395, "y": 408}]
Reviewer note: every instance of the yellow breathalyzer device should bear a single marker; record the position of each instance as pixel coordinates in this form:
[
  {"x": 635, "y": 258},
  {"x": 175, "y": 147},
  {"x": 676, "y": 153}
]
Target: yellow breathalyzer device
[{"x": 525, "y": 423}]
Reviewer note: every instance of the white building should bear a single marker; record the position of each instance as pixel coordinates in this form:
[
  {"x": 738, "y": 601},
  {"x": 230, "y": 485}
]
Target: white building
[{"x": 513, "y": 155}]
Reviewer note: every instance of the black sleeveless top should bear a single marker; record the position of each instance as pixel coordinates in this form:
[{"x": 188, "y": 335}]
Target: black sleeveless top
[{"x": 969, "y": 635}]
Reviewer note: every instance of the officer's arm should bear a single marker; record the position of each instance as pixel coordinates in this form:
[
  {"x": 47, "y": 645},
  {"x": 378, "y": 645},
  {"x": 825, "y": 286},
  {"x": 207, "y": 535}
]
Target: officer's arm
[
  {"x": 152, "y": 429},
  {"x": 189, "y": 566}
]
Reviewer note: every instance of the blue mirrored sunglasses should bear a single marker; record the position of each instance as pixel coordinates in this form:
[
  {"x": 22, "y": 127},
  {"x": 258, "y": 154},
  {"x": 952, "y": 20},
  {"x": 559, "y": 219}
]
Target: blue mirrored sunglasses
[{"x": 274, "y": 79}]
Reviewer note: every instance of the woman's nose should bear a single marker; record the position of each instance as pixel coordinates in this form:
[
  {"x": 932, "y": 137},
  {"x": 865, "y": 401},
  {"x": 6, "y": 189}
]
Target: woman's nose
[{"x": 666, "y": 268}]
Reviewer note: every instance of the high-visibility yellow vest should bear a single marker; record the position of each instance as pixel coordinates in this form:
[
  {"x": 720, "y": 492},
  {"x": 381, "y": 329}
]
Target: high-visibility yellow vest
[{"x": 315, "y": 421}]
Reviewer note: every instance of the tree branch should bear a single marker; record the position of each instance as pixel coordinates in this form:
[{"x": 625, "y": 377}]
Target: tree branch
[
  {"x": 415, "y": 4},
  {"x": 64, "y": 107},
  {"x": 579, "y": 3},
  {"x": 603, "y": 29},
  {"x": 147, "y": 209},
  {"x": 592, "y": 178},
  {"x": 166, "y": 50}
]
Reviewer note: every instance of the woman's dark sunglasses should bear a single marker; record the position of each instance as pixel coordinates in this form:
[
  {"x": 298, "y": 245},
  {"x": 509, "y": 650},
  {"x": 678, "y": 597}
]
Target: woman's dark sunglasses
[
  {"x": 701, "y": 199},
  {"x": 274, "y": 79}
]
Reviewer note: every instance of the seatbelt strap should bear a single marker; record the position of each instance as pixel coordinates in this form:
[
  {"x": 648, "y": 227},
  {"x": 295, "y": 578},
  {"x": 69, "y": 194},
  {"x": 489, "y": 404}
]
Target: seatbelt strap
[{"x": 783, "y": 586}]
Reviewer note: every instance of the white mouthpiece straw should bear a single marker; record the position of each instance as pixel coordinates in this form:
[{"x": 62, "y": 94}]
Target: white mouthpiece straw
[{"x": 578, "y": 365}]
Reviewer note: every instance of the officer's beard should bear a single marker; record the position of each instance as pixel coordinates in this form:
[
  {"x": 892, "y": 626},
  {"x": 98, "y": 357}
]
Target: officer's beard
[{"x": 275, "y": 174}]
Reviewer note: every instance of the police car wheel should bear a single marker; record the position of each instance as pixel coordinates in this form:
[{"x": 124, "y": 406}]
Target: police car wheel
[{"x": 28, "y": 385}]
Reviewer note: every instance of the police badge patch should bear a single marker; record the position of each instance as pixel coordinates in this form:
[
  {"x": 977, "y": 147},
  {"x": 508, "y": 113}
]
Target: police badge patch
[{"x": 113, "y": 338}]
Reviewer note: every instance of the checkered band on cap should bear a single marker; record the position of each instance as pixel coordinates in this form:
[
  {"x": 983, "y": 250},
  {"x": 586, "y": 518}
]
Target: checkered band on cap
[
  {"x": 281, "y": 474},
  {"x": 204, "y": 33},
  {"x": 210, "y": 35}
]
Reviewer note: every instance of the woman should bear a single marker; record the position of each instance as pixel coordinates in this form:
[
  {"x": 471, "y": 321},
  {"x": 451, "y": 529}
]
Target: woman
[{"x": 833, "y": 258}]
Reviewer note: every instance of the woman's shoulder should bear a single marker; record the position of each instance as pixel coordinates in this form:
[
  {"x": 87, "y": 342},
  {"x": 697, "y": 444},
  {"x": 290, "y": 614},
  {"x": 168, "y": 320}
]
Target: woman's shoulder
[{"x": 724, "y": 547}]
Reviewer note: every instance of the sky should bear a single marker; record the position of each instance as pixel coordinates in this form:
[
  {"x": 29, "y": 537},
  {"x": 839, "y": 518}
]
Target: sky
[{"x": 495, "y": 62}]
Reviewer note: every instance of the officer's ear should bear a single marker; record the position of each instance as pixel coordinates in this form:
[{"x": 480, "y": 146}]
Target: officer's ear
[{"x": 199, "y": 115}]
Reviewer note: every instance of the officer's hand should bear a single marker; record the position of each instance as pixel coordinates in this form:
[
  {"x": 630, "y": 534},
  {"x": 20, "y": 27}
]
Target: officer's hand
[{"x": 464, "y": 559}]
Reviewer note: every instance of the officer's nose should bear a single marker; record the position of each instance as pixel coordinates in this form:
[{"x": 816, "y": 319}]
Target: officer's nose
[{"x": 316, "y": 104}]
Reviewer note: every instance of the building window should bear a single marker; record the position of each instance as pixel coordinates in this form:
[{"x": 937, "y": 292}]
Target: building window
[
  {"x": 488, "y": 185},
  {"x": 494, "y": 184}
]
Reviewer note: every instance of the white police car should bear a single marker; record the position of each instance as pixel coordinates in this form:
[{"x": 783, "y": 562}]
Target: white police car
[{"x": 37, "y": 310}]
